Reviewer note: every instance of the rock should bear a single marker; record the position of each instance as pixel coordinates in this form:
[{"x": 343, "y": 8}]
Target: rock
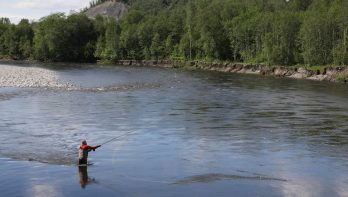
[
  {"x": 318, "y": 77},
  {"x": 109, "y": 9},
  {"x": 279, "y": 72},
  {"x": 302, "y": 73}
]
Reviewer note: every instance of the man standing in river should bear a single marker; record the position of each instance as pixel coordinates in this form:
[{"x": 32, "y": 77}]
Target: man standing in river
[{"x": 83, "y": 152}]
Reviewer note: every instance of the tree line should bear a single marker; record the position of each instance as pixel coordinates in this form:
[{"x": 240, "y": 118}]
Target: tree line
[{"x": 282, "y": 32}]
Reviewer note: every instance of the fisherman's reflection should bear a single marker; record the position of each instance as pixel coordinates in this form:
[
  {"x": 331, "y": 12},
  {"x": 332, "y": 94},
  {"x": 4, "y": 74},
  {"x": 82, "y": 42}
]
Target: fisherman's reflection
[{"x": 84, "y": 179}]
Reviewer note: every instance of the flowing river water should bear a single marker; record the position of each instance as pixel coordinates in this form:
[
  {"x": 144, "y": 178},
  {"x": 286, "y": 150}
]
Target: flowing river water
[{"x": 193, "y": 134}]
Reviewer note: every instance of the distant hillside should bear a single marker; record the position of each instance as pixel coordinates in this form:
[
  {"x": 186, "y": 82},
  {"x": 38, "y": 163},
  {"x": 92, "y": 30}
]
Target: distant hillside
[{"x": 114, "y": 9}]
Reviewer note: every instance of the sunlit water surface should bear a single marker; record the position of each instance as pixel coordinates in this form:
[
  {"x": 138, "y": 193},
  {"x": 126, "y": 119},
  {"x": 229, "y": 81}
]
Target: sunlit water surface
[{"x": 193, "y": 134}]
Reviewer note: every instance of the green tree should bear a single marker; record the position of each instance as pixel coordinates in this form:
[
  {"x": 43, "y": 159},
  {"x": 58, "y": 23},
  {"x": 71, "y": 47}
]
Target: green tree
[
  {"x": 273, "y": 31},
  {"x": 81, "y": 38},
  {"x": 99, "y": 24},
  {"x": 11, "y": 42},
  {"x": 317, "y": 36},
  {"x": 280, "y": 43},
  {"x": 299, "y": 5},
  {"x": 129, "y": 39},
  {"x": 25, "y": 35},
  {"x": 111, "y": 50},
  {"x": 245, "y": 34},
  {"x": 5, "y": 24},
  {"x": 156, "y": 48},
  {"x": 51, "y": 38},
  {"x": 339, "y": 14},
  {"x": 61, "y": 38},
  {"x": 213, "y": 41}
]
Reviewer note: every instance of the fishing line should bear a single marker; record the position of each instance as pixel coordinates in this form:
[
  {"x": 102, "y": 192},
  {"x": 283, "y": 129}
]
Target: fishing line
[{"x": 117, "y": 137}]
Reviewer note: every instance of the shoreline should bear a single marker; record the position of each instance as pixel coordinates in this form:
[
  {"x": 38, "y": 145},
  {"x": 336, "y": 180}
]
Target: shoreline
[{"x": 325, "y": 73}]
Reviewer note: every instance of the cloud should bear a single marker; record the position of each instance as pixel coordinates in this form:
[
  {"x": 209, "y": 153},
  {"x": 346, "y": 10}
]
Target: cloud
[
  {"x": 15, "y": 18},
  {"x": 51, "y": 4},
  {"x": 36, "y": 9}
]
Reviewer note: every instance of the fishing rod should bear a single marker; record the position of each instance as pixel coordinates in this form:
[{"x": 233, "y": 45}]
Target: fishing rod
[{"x": 117, "y": 137}]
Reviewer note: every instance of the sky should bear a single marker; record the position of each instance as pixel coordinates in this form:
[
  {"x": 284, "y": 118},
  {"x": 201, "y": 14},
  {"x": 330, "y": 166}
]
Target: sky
[{"x": 36, "y": 9}]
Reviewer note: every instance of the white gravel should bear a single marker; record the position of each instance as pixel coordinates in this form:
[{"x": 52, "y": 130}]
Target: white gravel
[{"x": 33, "y": 77}]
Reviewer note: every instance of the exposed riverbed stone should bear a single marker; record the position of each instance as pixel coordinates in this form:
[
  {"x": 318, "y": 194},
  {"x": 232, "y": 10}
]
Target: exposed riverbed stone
[{"x": 33, "y": 77}]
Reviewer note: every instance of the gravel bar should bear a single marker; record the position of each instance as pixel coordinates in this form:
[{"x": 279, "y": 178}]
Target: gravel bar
[{"x": 30, "y": 77}]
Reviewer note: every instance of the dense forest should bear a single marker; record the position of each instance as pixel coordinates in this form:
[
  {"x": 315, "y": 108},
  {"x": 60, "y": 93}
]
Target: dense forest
[{"x": 313, "y": 32}]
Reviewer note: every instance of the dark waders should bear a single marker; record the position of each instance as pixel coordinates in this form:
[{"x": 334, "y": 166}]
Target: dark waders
[{"x": 83, "y": 161}]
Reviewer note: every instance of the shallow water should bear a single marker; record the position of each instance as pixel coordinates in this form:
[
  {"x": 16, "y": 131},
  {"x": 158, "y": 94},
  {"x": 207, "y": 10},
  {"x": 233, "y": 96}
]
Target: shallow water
[{"x": 195, "y": 134}]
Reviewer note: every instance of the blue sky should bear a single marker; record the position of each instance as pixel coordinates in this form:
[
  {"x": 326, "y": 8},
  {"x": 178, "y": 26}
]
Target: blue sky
[{"x": 35, "y": 9}]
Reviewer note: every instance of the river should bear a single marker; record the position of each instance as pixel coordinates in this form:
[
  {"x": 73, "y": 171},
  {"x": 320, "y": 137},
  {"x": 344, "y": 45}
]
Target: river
[{"x": 189, "y": 133}]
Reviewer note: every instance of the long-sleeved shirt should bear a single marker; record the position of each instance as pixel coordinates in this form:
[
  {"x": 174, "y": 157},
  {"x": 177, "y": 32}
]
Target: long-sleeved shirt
[{"x": 84, "y": 149}]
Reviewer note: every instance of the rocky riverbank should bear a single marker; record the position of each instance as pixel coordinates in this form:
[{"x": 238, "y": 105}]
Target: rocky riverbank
[
  {"x": 33, "y": 77},
  {"x": 330, "y": 73}
]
